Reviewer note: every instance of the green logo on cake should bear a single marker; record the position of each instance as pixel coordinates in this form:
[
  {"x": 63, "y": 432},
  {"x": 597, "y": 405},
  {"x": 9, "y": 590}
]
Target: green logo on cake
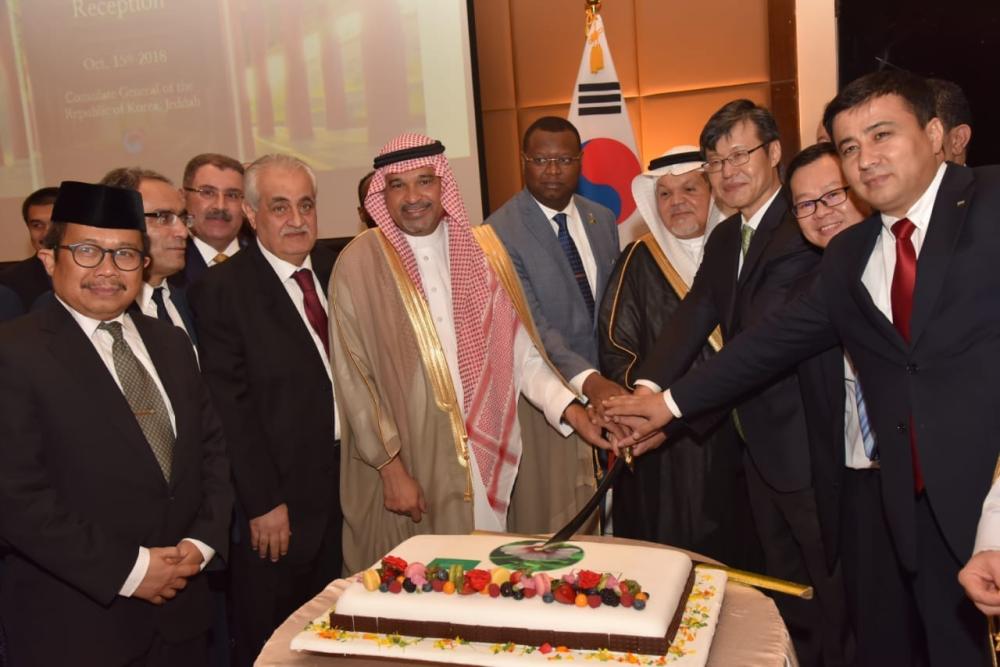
[{"x": 526, "y": 555}]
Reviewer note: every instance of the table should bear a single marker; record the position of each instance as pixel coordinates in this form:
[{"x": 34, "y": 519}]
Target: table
[{"x": 750, "y": 630}]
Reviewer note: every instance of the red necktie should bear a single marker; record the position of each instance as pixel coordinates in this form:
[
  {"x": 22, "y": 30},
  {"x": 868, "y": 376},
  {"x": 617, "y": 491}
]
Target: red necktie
[
  {"x": 314, "y": 309},
  {"x": 904, "y": 277}
]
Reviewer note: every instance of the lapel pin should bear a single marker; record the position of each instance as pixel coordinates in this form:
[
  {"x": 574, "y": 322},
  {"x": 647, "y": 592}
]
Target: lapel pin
[
  {"x": 961, "y": 203},
  {"x": 591, "y": 220}
]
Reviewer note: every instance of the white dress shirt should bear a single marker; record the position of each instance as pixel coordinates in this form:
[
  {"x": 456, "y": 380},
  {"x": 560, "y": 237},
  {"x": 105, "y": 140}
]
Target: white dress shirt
[
  {"x": 574, "y": 225},
  {"x": 208, "y": 253},
  {"x": 148, "y": 306},
  {"x": 532, "y": 376},
  {"x": 854, "y": 444},
  {"x": 285, "y": 271},
  {"x": 988, "y": 531},
  {"x": 103, "y": 343}
]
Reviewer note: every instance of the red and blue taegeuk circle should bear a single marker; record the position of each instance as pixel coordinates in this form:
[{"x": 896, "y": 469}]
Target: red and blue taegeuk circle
[{"x": 606, "y": 174}]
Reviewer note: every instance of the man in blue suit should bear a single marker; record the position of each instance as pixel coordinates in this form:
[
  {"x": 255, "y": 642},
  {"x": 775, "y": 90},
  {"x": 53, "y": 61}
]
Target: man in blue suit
[{"x": 564, "y": 247}]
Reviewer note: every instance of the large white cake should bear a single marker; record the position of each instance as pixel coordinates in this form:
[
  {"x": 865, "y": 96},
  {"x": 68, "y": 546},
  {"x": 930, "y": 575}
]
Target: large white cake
[{"x": 368, "y": 621}]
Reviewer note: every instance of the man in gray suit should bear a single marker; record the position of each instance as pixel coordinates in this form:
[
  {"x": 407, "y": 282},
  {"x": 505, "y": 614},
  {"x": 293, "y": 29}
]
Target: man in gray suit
[{"x": 564, "y": 248}]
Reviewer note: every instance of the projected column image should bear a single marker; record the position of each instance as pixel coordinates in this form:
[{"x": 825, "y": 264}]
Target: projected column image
[{"x": 331, "y": 80}]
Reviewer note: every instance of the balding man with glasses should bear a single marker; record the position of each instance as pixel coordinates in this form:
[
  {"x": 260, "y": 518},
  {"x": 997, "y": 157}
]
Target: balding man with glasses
[
  {"x": 167, "y": 225},
  {"x": 213, "y": 196},
  {"x": 752, "y": 260}
]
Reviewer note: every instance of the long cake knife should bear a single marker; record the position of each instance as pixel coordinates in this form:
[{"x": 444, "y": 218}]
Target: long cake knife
[{"x": 581, "y": 517}]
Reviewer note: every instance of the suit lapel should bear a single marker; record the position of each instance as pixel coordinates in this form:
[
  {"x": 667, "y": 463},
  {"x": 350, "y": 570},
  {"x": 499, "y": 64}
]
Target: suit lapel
[
  {"x": 538, "y": 225},
  {"x": 597, "y": 246},
  {"x": 276, "y": 301},
  {"x": 184, "y": 310},
  {"x": 872, "y": 229},
  {"x": 69, "y": 345},
  {"x": 947, "y": 218},
  {"x": 761, "y": 237}
]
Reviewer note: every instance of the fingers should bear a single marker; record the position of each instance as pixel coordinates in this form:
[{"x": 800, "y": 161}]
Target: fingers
[
  {"x": 254, "y": 536},
  {"x": 157, "y": 600},
  {"x": 618, "y": 406},
  {"x": 650, "y": 443}
]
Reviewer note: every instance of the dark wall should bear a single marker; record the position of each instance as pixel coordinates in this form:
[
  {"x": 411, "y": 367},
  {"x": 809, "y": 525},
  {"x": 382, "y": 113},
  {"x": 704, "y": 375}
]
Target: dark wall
[{"x": 957, "y": 40}]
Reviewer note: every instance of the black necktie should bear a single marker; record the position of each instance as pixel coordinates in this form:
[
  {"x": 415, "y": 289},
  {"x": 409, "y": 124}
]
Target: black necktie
[
  {"x": 575, "y": 263},
  {"x": 161, "y": 308}
]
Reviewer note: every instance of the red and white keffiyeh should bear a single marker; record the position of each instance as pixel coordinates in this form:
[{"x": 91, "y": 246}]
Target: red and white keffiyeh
[{"x": 485, "y": 320}]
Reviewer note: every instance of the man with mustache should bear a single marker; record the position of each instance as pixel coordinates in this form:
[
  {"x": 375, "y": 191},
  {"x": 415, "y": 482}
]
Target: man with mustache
[
  {"x": 433, "y": 345},
  {"x": 114, "y": 491},
  {"x": 167, "y": 228},
  {"x": 262, "y": 328},
  {"x": 213, "y": 194},
  {"x": 751, "y": 262}
]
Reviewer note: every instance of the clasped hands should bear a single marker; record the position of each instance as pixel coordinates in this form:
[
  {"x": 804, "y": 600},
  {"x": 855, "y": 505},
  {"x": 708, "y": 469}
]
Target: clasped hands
[
  {"x": 631, "y": 420},
  {"x": 168, "y": 571}
]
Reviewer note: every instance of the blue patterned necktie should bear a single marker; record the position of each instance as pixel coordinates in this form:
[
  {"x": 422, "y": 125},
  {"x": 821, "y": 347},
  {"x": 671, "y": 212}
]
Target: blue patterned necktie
[
  {"x": 161, "y": 307},
  {"x": 575, "y": 263},
  {"x": 867, "y": 437}
]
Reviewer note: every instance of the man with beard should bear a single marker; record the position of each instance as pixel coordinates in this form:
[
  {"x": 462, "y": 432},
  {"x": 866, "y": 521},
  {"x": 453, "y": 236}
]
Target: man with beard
[
  {"x": 690, "y": 493},
  {"x": 431, "y": 352},
  {"x": 213, "y": 192},
  {"x": 263, "y": 332},
  {"x": 167, "y": 228}
]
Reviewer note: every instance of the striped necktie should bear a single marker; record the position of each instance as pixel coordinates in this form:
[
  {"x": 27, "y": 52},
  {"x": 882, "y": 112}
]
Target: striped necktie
[
  {"x": 575, "y": 263},
  {"x": 867, "y": 437}
]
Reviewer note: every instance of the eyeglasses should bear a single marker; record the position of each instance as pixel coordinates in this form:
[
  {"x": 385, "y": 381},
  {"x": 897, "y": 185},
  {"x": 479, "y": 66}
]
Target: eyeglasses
[
  {"x": 542, "y": 162},
  {"x": 832, "y": 198},
  {"x": 735, "y": 159},
  {"x": 210, "y": 193},
  {"x": 167, "y": 218},
  {"x": 89, "y": 255}
]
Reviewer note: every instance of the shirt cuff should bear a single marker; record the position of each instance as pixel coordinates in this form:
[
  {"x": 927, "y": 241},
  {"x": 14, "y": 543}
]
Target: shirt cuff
[
  {"x": 649, "y": 384},
  {"x": 577, "y": 383},
  {"x": 671, "y": 404},
  {"x": 206, "y": 551},
  {"x": 137, "y": 574}
]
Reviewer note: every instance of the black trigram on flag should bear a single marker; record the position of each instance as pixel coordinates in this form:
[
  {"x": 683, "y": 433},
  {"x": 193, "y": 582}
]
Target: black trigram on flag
[{"x": 599, "y": 98}]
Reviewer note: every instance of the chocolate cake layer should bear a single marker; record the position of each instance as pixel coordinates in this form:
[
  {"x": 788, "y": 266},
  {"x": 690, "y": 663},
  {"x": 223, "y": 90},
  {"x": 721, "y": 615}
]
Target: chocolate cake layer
[{"x": 524, "y": 636}]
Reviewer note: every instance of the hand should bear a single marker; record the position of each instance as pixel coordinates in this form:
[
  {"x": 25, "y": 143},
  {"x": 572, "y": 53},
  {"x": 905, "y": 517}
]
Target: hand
[
  {"x": 402, "y": 494},
  {"x": 271, "y": 532},
  {"x": 645, "y": 412},
  {"x": 598, "y": 389},
  {"x": 190, "y": 553},
  {"x": 165, "y": 575},
  {"x": 981, "y": 580},
  {"x": 576, "y": 416}
]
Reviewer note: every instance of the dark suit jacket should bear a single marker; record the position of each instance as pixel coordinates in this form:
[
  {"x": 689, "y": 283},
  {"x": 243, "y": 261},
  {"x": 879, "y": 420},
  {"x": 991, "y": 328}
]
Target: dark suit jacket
[
  {"x": 821, "y": 379},
  {"x": 81, "y": 491},
  {"x": 272, "y": 392},
  {"x": 178, "y": 296},
  {"x": 29, "y": 279},
  {"x": 566, "y": 328},
  {"x": 194, "y": 264},
  {"x": 772, "y": 418},
  {"x": 947, "y": 378},
  {"x": 10, "y": 304}
]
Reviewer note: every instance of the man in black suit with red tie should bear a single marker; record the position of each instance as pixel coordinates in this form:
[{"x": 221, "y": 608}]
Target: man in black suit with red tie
[
  {"x": 911, "y": 293},
  {"x": 114, "y": 483},
  {"x": 262, "y": 330}
]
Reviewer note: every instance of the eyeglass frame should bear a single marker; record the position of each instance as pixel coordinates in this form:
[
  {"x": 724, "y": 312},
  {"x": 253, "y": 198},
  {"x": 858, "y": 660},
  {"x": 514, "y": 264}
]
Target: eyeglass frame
[
  {"x": 561, "y": 161},
  {"x": 707, "y": 164},
  {"x": 820, "y": 200},
  {"x": 210, "y": 193},
  {"x": 72, "y": 247},
  {"x": 186, "y": 219}
]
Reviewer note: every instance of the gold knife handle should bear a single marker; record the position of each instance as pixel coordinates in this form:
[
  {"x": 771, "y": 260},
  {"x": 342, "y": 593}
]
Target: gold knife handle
[{"x": 761, "y": 581}]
